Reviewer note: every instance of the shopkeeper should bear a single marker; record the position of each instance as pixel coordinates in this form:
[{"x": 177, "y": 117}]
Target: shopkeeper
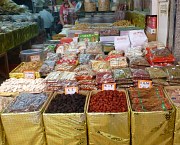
[{"x": 64, "y": 14}]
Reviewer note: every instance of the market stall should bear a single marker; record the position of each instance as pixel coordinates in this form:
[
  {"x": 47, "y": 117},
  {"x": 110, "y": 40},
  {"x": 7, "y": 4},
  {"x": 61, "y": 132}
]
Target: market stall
[{"x": 96, "y": 84}]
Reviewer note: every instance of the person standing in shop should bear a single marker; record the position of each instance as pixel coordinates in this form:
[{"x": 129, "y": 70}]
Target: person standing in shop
[
  {"x": 63, "y": 13},
  {"x": 48, "y": 20}
]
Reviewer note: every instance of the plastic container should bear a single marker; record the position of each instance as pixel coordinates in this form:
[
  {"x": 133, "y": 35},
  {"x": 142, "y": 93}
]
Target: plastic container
[{"x": 32, "y": 55}]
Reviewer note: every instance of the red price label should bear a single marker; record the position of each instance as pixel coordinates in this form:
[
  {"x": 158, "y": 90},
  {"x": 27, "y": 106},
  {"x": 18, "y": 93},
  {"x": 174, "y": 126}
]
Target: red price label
[
  {"x": 71, "y": 90},
  {"x": 144, "y": 84},
  {"x": 35, "y": 58},
  {"x": 29, "y": 75},
  {"x": 110, "y": 86}
]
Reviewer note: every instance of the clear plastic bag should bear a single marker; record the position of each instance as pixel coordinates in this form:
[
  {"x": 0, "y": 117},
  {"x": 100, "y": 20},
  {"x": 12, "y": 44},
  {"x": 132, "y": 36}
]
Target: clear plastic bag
[
  {"x": 156, "y": 73},
  {"x": 100, "y": 65},
  {"x": 118, "y": 62},
  {"x": 173, "y": 72},
  {"x": 124, "y": 73},
  {"x": 140, "y": 74},
  {"x": 86, "y": 58},
  {"x": 47, "y": 67},
  {"x": 104, "y": 77},
  {"x": 138, "y": 61}
]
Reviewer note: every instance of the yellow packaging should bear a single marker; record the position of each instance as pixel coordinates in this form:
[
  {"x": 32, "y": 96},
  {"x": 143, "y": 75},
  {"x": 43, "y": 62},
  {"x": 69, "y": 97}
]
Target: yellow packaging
[
  {"x": 12, "y": 74},
  {"x": 152, "y": 128},
  {"x": 2, "y": 133},
  {"x": 66, "y": 128},
  {"x": 108, "y": 128},
  {"x": 177, "y": 118},
  {"x": 25, "y": 128}
]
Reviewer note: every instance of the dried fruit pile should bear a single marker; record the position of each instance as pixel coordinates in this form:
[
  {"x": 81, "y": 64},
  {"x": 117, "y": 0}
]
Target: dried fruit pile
[
  {"x": 108, "y": 101},
  {"x": 67, "y": 104}
]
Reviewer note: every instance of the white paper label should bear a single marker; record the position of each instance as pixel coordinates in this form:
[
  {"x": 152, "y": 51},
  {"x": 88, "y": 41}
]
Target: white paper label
[
  {"x": 144, "y": 84},
  {"x": 71, "y": 90},
  {"x": 110, "y": 86},
  {"x": 29, "y": 75},
  {"x": 35, "y": 58}
]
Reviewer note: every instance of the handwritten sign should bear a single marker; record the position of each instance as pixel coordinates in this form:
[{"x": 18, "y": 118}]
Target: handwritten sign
[
  {"x": 109, "y": 86},
  {"x": 71, "y": 90},
  {"x": 35, "y": 58},
  {"x": 29, "y": 75},
  {"x": 144, "y": 84}
]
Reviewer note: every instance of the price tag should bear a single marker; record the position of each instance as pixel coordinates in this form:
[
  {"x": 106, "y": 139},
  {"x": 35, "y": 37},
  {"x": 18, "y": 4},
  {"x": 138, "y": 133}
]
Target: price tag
[
  {"x": 29, "y": 75},
  {"x": 144, "y": 84},
  {"x": 110, "y": 86},
  {"x": 71, "y": 90},
  {"x": 35, "y": 58}
]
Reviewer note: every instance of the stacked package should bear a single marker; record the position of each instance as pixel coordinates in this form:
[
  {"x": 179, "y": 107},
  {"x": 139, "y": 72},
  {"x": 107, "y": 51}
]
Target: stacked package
[
  {"x": 57, "y": 81},
  {"x": 139, "y": 74},
  {"x": 173, "y": 73},
  {"x": 104, "y": 77},
  {"x": 158, "y": 76},
  {"x": 158, "y": 55},
  {"x": 123, "y": 77},
  {"x": 138, "y": 62},
  {"x": 144, "y": 100},
  {"x": 85, "y": 77}
]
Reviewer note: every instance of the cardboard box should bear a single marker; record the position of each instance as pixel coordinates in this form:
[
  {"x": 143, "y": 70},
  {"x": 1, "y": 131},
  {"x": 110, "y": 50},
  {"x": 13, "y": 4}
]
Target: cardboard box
[
  {"x": 108, "y": 128},
  {"x": 66, "y": 128}
]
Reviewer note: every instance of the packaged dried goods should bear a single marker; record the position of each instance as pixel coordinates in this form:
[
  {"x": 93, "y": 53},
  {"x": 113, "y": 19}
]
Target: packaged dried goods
[
  {"x": 104, "y": 77},
  {"x": 109, "y": 32},
  {"x": 158, "y": 82},
  {"x": 87, "y": 87},
  {"x": 64, "y": 67},
  {"x": 138, "y": 61},
  {"x": 108, "y": 101},
  {"x": 144, "y": 100},
  {"x": 52, "y": 56},
  {"x": 116, "y": 53},
  {"x": 86, "y": 58},
  {"x": 118, "y": 62},
  {"x": 84, "y": 67},
  {"x": 173, "y": 72},
  {"x": 123, "y": 73},
  {"x": 47, "y": 67},
  {"x": 100, "y": 65},
  {"x": 23, "y": 85},
  {"x": 140, "y": 74},
  {"x": 134, "y": 52},
  {"x": 27, "y": 102},
  {"x": 94, "y": 48},
  {"x": 159, "y": 56},
  {"x": 156, "y": 73}
]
